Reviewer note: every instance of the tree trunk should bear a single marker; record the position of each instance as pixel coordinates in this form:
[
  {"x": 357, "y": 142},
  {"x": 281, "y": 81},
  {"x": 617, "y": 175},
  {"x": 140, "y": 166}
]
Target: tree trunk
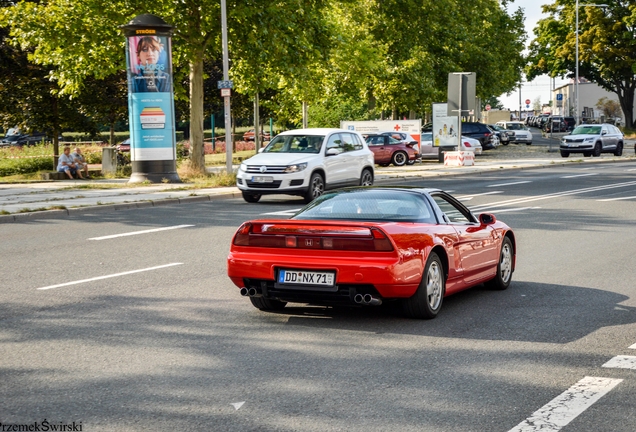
[
  {"x": 394, "y": 114},
  {"x": 196, "y": 115},
  {"x": 626, "y": 99},
  {"x": 257, "y": 126},
  {"x": 112, "y": 132},
  {"x": 56, "y": 134}
]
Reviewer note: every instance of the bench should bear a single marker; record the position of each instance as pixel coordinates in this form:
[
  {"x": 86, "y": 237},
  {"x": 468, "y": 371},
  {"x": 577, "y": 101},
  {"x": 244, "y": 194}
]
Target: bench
[{"x": 54, "y": 175}]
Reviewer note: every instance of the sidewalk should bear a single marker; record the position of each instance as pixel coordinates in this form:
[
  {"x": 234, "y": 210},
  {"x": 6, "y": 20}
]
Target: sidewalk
[{"x": 65, "y": 197}]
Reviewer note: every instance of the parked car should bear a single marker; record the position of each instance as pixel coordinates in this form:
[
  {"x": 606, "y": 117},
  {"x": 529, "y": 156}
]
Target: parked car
[
  {"x": 369, "y": 246},
  {"x": 540, "y": 120},
  {"x": 555, "y": 124},
  {"x": 389, "y": 150},
  {"x": 503, "y": 134},
  {"x": 307, "y": 162},
  {"x": 570, "y": 123},
  {"x": 25, "y": 139},
  {"x": 427, "y": 150},
  {"x": 528, "y": 120},
  {"x": 480, "y": 132},
  {"x": 428, "y": 127},
  {"x": 249, "y": 135},
  {"x": 592, "y": 140},
  {"x": 123, "y": 146},
  {"x": 521, "y": 132}
]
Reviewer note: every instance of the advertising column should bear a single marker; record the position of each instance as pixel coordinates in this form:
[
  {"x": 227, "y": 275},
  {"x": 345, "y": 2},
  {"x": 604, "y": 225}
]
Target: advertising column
[{"x": 151, "y": 100}]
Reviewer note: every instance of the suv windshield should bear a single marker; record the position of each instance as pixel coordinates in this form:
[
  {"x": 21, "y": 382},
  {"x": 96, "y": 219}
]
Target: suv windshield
[
  {"x": 295, "y": 144},
  {"x": 516, "y": 126},
  {"x": 587, "y": 130}
]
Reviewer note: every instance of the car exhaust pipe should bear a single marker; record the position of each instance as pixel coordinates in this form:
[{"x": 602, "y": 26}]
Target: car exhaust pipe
[
  {"x": 244, "y": 292},
  {"x": 358, "y": 298},
  {"x": 368, "y": 299},
  {"x": 252, "y": 292}
]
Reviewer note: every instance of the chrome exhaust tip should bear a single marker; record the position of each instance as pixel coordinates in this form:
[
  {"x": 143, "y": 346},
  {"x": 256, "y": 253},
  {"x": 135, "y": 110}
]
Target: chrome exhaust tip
[
  {"x": 371, "y": 301},
  {"x": 358, "y": 298},
  {"x": 252, "y": 292},
  {"x": 244, "y": 292}
]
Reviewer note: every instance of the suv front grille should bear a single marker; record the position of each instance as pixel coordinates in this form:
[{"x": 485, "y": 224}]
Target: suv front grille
[
  {"x": 269, "y": 169},
  {"x": 273, "y": 185}
]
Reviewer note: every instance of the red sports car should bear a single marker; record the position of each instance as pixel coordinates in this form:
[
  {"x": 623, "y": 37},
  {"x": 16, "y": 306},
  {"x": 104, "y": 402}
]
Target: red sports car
[{"x": 368, "y": 246}]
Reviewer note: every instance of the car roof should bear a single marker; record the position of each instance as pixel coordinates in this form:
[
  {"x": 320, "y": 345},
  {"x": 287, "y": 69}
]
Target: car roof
[
  {"x": 412, "y": 189},
  {"x": 314, "y": 131}
]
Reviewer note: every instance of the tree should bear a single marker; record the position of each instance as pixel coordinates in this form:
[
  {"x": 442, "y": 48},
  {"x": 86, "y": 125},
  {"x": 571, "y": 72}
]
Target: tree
[
  {"x": 494, "y": 103},
  {"x": 607, "y": 43},
  {"x": 536, "y": 104},
  {"x": 82, "y": 38},
  {"x": 610, "y": 108}
]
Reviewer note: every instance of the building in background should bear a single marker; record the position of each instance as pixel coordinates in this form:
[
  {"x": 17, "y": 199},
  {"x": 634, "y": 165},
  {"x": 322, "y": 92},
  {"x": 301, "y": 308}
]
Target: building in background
[{"x": 589, "y": 95}]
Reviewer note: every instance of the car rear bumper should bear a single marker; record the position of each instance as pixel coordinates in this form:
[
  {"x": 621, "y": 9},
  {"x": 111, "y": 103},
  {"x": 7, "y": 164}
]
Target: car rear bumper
[{"x": 376, "y": 273}]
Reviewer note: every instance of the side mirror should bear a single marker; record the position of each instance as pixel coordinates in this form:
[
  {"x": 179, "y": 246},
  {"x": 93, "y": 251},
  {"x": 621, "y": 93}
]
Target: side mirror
[
  {"x": 332, "y": 152},
  {"x": 260, "y": 150},
  {"x": 487, "y": 219},
  {"x": 604, "y": 133}
]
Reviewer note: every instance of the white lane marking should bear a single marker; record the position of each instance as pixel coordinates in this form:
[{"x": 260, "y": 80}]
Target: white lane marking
[
  {"x": 237, "y": 405},
  {"x": 290, "y": 212},
  {"x": 510, "y": 184},
  {"x": 511, "y": 210},
  {"x": 108, "y": 276},
  {"x": 580, "y": 175},
  {"x": 140, "y": 232},
  {"x": 553, "y": 195},
  {"x": 631, "y": 169},
  {"x": 633, "y": 346},
  {"x": 568, "y": 405},
  {"x": 621, "y": 362},
  {"x": 471, "y": 196},
  {"x": 617, "y": 199}
]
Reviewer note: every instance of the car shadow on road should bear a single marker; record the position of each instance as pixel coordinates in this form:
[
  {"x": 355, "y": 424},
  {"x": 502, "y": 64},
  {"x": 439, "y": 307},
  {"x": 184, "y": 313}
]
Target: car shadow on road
[{"x": 527, "y": 311}]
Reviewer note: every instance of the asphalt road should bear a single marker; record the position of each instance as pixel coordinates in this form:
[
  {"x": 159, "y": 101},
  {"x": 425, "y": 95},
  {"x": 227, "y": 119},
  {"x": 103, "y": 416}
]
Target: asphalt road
[{"x": 167, "y": 343}]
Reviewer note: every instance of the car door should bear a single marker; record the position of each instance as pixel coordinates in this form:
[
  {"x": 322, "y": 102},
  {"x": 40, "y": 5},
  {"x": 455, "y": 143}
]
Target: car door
[
  {"x": 353, "y": 157},
  {"x": 476, "y": 244},
  {"x": 335, "y": 164},
  {"x": 607, "y": 139},
  {"x": 380, "y": 152}
]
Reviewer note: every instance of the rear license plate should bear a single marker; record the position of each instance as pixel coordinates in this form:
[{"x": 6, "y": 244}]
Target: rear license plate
[
  {"x": 262, "y": 179},
  {"x": 306, "y": 277}
]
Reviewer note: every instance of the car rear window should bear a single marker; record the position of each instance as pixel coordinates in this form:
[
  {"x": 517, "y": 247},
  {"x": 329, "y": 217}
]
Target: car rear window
[{"x": 369, "y": 205}]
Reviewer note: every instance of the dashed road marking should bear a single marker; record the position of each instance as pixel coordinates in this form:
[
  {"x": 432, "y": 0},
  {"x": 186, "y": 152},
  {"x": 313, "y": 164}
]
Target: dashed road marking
[
  {"x": 471, "y": 196},
  {"x": 622, "y": 362},
  {"x": 237, "y": 405},
  {"x": 568, "y": 405},
  {"x": 108, "y": 276},
  {"x": 140, "y": 232},
  {"x": 633, "y": 346},
  {"x": 512, "y": 210},
  {"x": 580, "y": 175},
  {"x": 617, "y": 199},
  {"x": 510, "y": 184}
]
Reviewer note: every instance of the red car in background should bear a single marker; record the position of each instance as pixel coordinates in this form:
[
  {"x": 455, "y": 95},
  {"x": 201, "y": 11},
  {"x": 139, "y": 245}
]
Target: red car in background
[
  {"x": 386, "y": 150},
  {"x": 249, "y": 135},
  {"x": 368, "y": 246}
]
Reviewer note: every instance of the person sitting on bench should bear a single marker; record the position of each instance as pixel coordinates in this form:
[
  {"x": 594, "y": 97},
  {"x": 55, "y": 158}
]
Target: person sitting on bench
[{"x": 66, "y": 164}]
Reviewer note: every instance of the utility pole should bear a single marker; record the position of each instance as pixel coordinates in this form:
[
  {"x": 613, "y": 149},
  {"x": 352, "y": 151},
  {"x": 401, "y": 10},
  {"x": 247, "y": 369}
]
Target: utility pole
[{"x": 226, "y": 99}]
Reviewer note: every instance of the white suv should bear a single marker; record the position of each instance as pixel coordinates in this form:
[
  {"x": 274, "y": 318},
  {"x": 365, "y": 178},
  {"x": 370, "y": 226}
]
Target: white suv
[
  {"x": 306, "y": 162},
  {"x": 521, "y": 131}
]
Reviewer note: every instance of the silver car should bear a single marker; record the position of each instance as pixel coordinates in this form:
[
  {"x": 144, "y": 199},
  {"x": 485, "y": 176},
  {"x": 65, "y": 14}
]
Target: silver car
[{"x": 592, "y": 140}]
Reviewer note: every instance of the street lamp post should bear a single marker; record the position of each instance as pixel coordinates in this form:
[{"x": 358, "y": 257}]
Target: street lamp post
[{"x": 576, "y": 82}]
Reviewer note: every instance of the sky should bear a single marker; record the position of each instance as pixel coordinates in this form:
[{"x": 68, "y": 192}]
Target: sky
[{"x": 541, "y": 86}]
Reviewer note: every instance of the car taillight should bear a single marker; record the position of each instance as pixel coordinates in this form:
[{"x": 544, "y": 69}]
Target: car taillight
[
  {"x": 242, "y": 237},
  {"x": 466, "y": 143},
  {"x": 380, "y": 241},
  {"x": 487, "y": 134}
]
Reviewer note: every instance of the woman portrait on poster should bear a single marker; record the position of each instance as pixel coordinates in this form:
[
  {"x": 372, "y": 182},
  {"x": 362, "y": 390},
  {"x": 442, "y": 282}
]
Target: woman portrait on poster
[{"x": 150, "y": 75}]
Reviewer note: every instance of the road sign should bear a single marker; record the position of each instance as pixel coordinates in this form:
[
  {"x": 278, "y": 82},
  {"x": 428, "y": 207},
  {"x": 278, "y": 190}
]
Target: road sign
[
  {"x": 487, "y": 107},
  {"x": 528, "y": 101},
  {"x": 559, "y": 96},
  {"x": 229, "y": 84},
  {"x": 226, "y": 92},
  {"x": 468, "y": 82},
  {"x": 527, "y": 105}
]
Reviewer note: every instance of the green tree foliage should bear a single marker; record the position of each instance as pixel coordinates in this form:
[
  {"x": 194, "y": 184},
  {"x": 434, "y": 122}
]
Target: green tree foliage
[
  {"x": 607, "y": 43},
  {"x": 610, "y": 108},
  {"x": 494, "y": 103}
]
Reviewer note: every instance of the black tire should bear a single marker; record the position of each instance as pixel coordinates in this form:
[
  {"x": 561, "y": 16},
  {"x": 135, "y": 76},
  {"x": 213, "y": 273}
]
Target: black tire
[
  {"x": 504, "y": 267},
  {"x": 250, "y": 197},
  {"x": 427, "y": 300},
  {"x": 505, "y": 143},
  {"x": 316, "y": 187},
  {"x": 410, "y": 162},
  {"x": 587, "y": 154},
  {"x": 366, "y": 179},
  {"x": 399, "y": 158},
  {"x": 619, "y": 149},
  {"x": 265, "y": 304},
  {"x": 564, "y": 153},
  {"x": 530, "y": 143},
  {"x": 597, "y": 150},
  {"x": 384, "y": 165}
]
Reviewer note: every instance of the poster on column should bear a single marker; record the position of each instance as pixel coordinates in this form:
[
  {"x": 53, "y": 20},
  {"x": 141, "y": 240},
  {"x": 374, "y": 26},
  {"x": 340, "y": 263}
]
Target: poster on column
[
  {"x": 444, "y": 126},
  {"x": 150, "y": 98}
]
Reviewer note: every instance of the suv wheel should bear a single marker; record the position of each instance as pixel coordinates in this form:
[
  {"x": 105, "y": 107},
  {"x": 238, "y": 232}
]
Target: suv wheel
[
  {"x": 251, "y": 198},
  {"x": 619, "y": 149},
  {"x": 316, "y": 187},
  {"x": 366, "y": 179},
  {"x": 565, "y": 153},
  {"x": 597, "y": 150}
]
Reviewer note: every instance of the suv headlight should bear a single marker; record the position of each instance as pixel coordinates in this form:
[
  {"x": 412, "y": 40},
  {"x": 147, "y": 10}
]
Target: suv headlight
[
  {"x": 589, "y": 139},
  {"x": 243, "y": 167},
  {"x": 295, "y": 168}
]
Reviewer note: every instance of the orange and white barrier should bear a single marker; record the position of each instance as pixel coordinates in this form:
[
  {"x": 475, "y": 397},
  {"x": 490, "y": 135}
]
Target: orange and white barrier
[{"x": 459, "y": 158}]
